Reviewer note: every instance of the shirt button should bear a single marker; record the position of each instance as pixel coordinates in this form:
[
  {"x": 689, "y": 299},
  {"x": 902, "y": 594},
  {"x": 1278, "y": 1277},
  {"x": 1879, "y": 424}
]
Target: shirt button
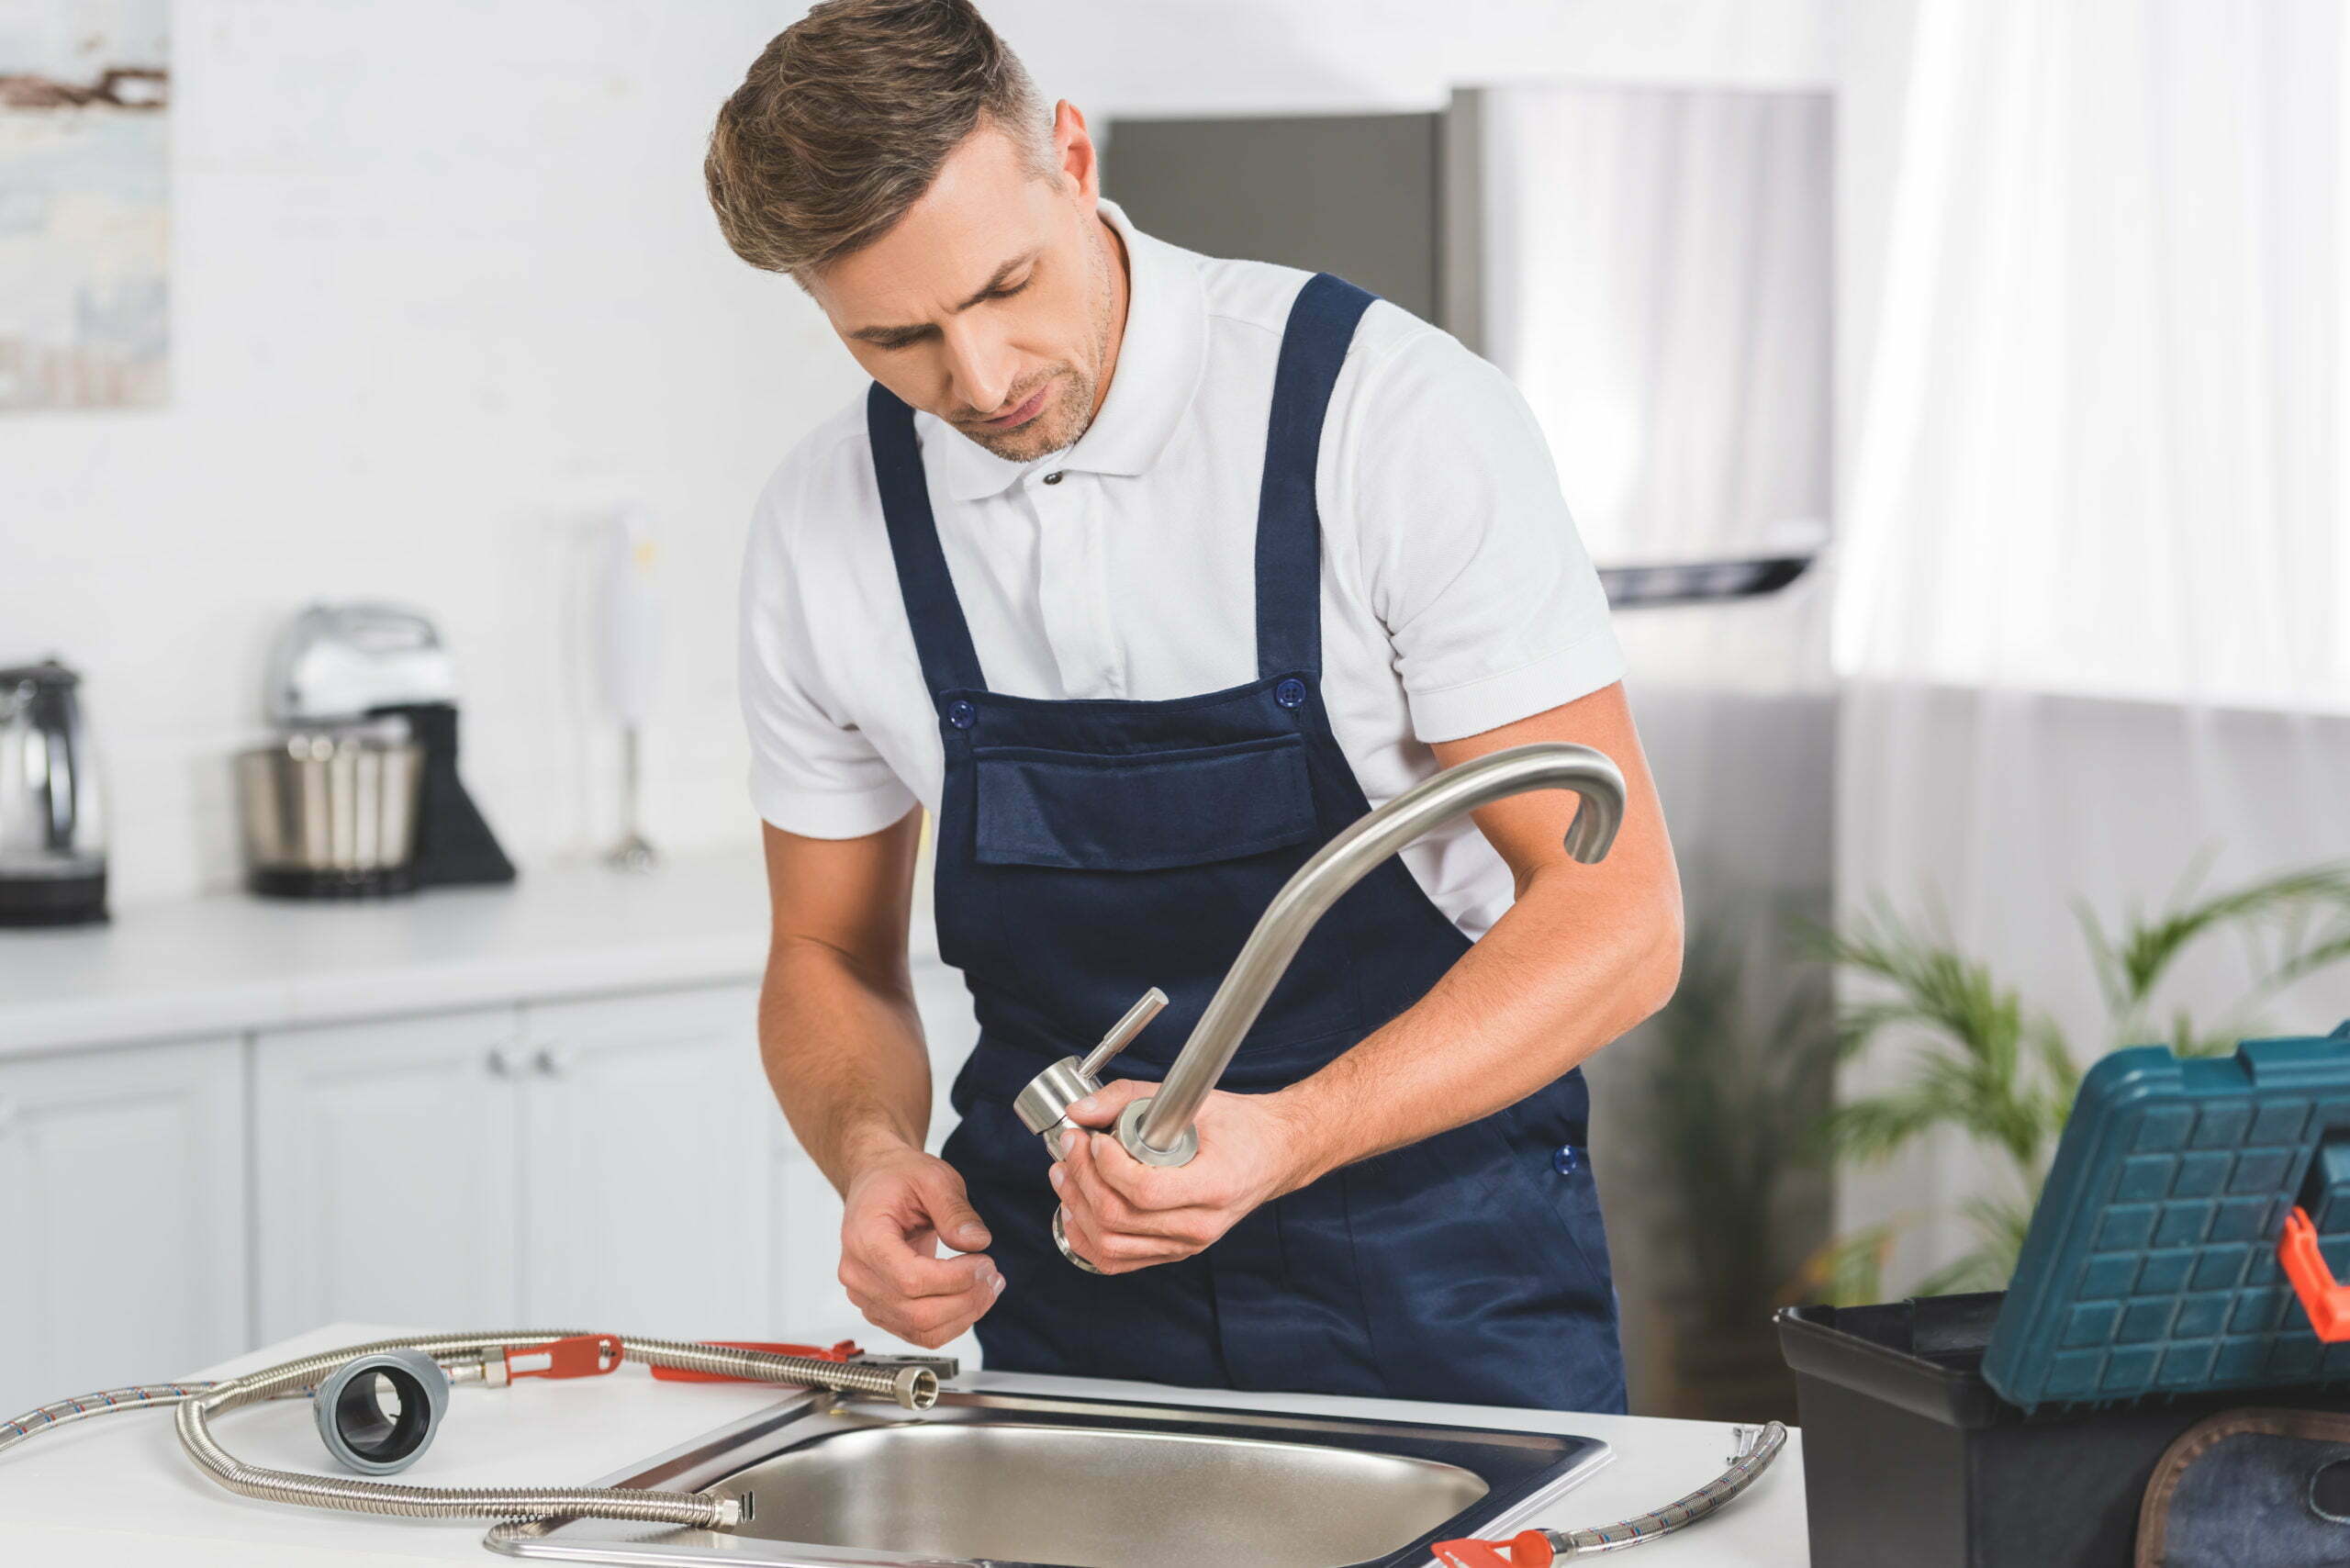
[
  {"x": 1290, "y": 694},
  {"x": 961, "y": 714},
  {"x": 1566, "y": 1160},
  {"x": 1056, "y": 477}
]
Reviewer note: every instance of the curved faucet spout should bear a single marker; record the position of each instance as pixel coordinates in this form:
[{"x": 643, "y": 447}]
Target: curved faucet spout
[{"x": 1158, "y": 1131}]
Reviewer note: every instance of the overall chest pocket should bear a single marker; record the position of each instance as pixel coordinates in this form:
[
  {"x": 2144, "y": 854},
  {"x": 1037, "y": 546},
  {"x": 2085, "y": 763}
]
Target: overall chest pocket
[
  {"x": 1151, "y": 812},
  {"x": 1101, "y": 875}
]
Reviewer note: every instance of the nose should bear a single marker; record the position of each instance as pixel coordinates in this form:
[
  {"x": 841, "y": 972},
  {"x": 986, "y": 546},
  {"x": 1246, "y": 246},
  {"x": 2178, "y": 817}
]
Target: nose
[{"x": 980, "y": 366}]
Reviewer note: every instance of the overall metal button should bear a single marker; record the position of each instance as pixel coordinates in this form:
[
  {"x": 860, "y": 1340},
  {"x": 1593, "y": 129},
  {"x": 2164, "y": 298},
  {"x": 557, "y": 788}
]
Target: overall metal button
[
  {"x": 961, "y": 714},
  {"x": 1290, "y": 694},
  {"x": 1566, "y": 1160}
]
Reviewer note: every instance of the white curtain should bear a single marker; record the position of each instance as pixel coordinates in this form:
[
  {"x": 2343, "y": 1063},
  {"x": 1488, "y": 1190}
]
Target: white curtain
[
  {"x": 2094, "y": 613},
  {"x": 2100, "y": 440}
]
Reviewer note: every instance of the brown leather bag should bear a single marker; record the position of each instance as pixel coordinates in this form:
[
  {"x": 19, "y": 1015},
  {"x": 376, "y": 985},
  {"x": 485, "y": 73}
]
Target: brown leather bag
[{"x": 2251, "y": 1489}]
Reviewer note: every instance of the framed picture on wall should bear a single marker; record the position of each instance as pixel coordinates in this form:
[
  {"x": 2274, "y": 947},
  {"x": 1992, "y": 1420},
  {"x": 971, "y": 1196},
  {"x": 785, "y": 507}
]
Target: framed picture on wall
[{"x": 84, "y": 220}]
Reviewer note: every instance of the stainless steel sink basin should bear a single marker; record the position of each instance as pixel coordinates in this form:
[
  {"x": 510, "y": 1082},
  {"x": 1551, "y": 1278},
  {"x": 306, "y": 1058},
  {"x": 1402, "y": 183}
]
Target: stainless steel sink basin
[{"x": 1017, "y": 1481}]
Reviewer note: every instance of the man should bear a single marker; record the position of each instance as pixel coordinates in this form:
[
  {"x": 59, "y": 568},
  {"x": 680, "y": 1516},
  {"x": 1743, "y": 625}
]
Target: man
[{"x": 1145, "y": 573}]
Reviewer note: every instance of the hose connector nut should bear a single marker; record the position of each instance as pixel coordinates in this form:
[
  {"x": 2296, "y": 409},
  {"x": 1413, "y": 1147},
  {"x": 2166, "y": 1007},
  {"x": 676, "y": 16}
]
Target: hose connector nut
[{"x": 914, "y": 1388}]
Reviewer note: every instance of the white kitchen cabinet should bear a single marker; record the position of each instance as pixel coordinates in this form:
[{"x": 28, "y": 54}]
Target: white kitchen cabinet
[
  {"x": 811, "y": 1306},
  {"x": 122, "y": 1217},
  {"x": 648, "y": 1186},
  {"x": 387, "y": 1172},
  {"x": 603, "y": 1164},
  {"x": 613, "y": 1161}
]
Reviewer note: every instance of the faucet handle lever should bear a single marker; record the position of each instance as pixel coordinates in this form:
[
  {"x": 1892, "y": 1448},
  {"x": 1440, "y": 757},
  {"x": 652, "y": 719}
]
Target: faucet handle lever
[
  {"x": 1042, "y": 1106},
  {"x": 1123, "y": 1031}
]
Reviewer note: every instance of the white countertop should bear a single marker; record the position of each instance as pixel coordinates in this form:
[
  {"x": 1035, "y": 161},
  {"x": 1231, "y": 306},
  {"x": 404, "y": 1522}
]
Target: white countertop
[
  {"x": 117, "y": 1490},
  {"x": 231, "y": 962}
]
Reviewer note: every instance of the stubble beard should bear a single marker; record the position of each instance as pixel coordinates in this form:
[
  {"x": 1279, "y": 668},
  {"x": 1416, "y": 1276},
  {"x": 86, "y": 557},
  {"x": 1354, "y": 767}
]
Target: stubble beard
[{"x": 1068, "y": 410}]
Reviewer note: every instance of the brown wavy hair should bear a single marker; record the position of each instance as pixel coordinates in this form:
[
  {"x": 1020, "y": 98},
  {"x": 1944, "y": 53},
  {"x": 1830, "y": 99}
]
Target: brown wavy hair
[{"x": 842, "y": 123}]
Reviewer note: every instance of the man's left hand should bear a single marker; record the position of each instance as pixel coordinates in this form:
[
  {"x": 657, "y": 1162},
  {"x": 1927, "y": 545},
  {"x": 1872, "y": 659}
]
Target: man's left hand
[{"x": 1124, "y": 1214}]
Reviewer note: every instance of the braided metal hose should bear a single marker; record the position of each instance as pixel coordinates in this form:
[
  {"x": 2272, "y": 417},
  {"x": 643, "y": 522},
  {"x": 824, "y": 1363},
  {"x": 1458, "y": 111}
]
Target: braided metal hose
[
  {"x": 1757, "y": 1447},
  {"x": 108, "y": 1401},
  {"x": 914, "y": 1388}
]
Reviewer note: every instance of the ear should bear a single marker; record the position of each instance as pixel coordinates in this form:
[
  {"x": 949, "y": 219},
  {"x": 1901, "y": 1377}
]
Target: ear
[{"x": 1074, "y": 154}]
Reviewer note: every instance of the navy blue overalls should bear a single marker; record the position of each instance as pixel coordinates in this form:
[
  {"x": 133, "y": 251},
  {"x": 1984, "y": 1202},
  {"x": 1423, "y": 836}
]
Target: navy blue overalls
[{"x": 1089, "y": 850}]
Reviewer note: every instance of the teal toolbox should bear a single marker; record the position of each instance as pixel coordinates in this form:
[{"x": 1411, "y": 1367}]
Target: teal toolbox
[
  {"x": 2020, "y": 1431},
  {"x": 2152, "y": 1266}
]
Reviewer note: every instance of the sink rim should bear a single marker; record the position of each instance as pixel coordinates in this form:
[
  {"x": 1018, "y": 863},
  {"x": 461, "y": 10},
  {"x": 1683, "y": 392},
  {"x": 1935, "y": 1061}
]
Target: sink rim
[{"x": 1523, "y": 1472}]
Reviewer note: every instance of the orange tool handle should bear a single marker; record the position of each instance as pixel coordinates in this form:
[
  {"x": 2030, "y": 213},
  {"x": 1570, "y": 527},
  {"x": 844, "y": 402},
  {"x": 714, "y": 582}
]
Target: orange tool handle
[
  {"x": 846, "y": 1350},
  {"x": 2326, "y": 1299},
  {"x": 1471, "y": 1555},
  {"x": 582, "y": 1355},
  {"x": 1530, "y": 1550}
]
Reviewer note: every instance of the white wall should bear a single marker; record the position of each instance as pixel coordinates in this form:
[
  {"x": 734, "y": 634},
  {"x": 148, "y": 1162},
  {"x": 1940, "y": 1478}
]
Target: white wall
[
  {"x": 1180, "y": 57},
  {"x": 445, "y": 287}
]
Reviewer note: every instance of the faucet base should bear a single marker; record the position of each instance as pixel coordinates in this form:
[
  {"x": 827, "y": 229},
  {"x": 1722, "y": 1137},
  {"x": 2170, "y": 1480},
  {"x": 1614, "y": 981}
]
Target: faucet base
[
  {"x": 1130, "y": 1139},
  {"x": 1060, "y": 1239}
]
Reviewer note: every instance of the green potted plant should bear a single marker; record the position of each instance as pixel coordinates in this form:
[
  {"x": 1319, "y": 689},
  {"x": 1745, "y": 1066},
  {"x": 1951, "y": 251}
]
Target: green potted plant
[{"x": 2002, "y": 1073}]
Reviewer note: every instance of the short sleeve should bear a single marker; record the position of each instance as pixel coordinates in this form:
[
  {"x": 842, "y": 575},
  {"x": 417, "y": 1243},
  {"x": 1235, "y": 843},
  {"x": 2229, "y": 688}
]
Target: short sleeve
[
  {"x": 813, "y": 771},
  {"x": 1472, "y": 561}
]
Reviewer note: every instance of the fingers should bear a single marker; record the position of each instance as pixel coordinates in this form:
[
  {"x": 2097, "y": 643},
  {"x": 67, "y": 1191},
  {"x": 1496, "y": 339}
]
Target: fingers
[
  {"x": 1114, "y": 1233},
  {"x": 887, "y": 1259},
  {"x": 950, "y": 1206},
  {"x": 1114, "y": 1253},
  {"x": 927, "y": 1321},
  {"x": 889, "y": 1266},
  {"x": 1102, "y": 1108},
  {"x": 926, "y": 1300},
  {"x": 886, "y": 1234},
  {"x": 1082, "y": 1180},
  {"x": 1156, "y": 1188}
]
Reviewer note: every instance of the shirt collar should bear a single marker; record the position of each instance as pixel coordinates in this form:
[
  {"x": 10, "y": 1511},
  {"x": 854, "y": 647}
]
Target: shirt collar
[{"x": 1160, "y": 362}]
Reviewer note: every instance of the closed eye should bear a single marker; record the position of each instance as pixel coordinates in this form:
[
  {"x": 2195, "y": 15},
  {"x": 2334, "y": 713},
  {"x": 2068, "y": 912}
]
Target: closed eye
[
  {"x": 998, "y": 288},
  {"x": 910, "y": 336}
]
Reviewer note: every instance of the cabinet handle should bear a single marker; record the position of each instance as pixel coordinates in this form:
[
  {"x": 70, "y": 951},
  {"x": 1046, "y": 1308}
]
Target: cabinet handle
[
  {"x": 500, "y": 1062},
  {"x": 554, "y": 1061},
  {"x": 9, "y": 1110}
]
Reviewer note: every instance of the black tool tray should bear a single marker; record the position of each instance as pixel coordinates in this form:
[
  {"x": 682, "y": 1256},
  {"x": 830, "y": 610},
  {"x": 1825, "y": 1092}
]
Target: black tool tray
[{"x": 1912, "y": 1461}]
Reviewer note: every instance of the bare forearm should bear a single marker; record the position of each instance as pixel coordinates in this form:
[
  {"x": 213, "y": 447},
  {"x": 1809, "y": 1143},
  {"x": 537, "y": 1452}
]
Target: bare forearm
[
  {"x": 843, "y": 1049},
  {"x": 1585, "y": 953},
  {"x": 1509, "y": 1017},
  {"x": 1555, "y": 978}
]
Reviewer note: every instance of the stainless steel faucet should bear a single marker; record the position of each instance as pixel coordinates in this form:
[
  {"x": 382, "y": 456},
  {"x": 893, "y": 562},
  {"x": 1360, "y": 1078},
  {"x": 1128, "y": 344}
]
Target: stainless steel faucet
[{"x": 1158, "y": 1130}]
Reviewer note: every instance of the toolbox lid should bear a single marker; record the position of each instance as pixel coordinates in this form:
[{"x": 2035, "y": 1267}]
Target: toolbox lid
[{"x": 2152, "y": 1264}]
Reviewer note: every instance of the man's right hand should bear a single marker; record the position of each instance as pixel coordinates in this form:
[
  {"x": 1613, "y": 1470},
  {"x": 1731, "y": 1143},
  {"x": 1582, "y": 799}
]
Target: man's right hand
[{"x": 900, "y": 1207}]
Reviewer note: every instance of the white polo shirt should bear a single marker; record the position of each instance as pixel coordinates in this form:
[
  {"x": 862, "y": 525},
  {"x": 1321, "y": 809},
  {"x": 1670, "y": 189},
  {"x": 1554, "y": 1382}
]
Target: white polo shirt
[{"x": 1456, "y": 596}]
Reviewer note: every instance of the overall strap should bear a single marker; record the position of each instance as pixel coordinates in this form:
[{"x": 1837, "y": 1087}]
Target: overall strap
[
  {"x": 949, "y": 662},
  {"x": 1289, "y": 524}
]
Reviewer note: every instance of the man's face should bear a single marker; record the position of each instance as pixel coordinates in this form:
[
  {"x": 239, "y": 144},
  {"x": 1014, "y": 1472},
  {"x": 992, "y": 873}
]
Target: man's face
[{"x": 991, "y": 303}]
